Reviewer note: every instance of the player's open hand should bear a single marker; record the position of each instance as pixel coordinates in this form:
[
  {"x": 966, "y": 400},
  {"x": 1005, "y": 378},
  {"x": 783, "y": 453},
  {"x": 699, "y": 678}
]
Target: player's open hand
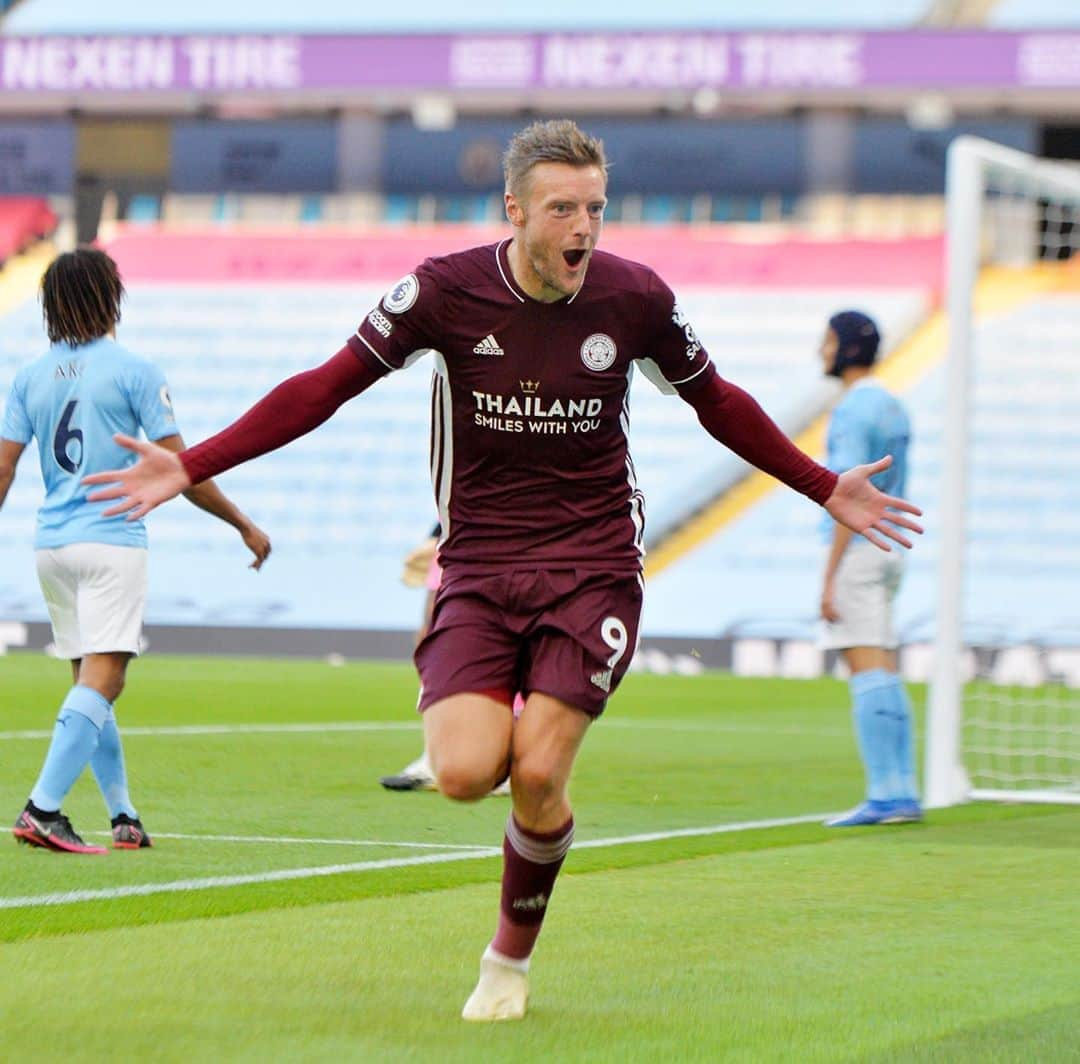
[
  {"x": 856, "y": 503},
  {"x": 258, "y": 542},
  {"x": 155, "y": 478}
]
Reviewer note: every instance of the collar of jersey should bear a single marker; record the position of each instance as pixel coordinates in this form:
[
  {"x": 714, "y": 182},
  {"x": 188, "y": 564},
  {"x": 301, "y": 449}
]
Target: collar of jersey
[{"x": 502, "y": 260}]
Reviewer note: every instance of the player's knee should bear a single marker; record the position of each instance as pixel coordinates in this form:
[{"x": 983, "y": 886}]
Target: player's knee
[
  {"x": 461, "y": 781},
  {"x": 533, "y": 777}
]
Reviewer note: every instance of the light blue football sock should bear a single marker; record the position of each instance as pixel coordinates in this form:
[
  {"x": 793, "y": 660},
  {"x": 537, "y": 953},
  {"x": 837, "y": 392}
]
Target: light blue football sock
[
  {"x": 873, "y": 708},
  {"x": 74, "y": 740},
  {"x": 109, "y": 770},
  {"x": 903, "y": 783}
]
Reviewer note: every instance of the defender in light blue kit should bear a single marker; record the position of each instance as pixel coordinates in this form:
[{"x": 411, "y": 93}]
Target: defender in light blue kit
[
  {"x": 92, "y": 568},
  {"x": 860, "y": 582}
]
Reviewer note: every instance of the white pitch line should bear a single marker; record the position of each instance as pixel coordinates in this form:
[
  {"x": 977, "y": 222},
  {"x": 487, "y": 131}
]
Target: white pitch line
[
  {"x": 209, "y": 883},
  {"x": 212, "y": 882},
  {"x": 247, "y": 729},
  {"x": 713, "y": 829},
  {"x": 291, "y": 840},
  {"x": 704, "y": 727}
]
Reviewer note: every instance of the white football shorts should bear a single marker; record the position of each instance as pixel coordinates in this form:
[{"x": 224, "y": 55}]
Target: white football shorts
[
  {"x": 865, "y": 587},
  {"x": 96, "y": 593}
]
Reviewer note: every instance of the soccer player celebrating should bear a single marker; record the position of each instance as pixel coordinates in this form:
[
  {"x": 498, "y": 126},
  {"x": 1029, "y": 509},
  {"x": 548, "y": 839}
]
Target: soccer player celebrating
[
  {"x": 533, "y": 341},
  {"x": 860, "y": 583},
  {"x": 92, "y": 568}
]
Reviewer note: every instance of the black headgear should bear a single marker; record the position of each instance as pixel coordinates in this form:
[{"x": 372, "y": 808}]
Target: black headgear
[{"x": 857, "y": 340}]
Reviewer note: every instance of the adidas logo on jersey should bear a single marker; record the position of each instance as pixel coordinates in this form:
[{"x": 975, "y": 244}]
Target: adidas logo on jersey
[
  {"x": 602, "y": 680},
  {"x": 489, "y": 346}
]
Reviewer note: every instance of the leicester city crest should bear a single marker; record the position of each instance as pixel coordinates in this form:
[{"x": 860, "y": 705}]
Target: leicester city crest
[
  {"x": 598, "y": 352},
  {"x": 402, "y": 295}
]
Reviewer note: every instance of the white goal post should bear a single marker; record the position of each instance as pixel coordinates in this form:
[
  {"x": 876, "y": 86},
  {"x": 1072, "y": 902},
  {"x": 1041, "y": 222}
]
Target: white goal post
[{"x": 988, "y": 736}]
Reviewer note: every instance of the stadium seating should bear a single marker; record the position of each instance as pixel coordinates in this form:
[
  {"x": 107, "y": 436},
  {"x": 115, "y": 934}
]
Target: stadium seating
[
  {"x": 23, "y": 220},
  {"x": 342, "y": 507},
  {"x": 762, "y": 572},
  {"x": 1033, "y": 14}
]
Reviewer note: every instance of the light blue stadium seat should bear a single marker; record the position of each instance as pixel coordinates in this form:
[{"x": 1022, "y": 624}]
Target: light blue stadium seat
[
  {"x": 144, "y": 208},
  {"x": 660, "y": 209},
  {"x": 226, "y": 209},
  {"x": 398, "y": 209},
  {"x": 451, "y": 209},
  {"x": 478, "y": 208},
  {"x": 311, "y": 209}
]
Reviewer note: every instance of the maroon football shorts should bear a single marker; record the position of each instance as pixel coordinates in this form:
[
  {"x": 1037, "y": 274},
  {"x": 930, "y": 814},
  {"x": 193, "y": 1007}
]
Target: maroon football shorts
[{"x": 569, "y": 633}]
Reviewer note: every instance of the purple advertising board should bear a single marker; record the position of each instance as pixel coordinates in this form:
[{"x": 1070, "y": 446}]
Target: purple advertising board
[{"x": 572, "y": 61}]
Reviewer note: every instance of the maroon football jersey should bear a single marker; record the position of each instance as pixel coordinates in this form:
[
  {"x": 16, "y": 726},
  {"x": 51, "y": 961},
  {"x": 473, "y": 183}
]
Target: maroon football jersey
[{"x": 530, "y": 414}]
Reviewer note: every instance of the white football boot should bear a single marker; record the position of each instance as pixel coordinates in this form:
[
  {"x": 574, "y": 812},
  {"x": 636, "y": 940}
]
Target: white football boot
[{"x": 502, "y": 992}]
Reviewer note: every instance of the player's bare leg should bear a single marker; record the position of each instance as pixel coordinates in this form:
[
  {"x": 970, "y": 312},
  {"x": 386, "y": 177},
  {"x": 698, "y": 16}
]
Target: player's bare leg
[
  {"x": 539, "y": 831},
  {"x": 418, "y": 775},
  {"x": 467, "y": 738}
]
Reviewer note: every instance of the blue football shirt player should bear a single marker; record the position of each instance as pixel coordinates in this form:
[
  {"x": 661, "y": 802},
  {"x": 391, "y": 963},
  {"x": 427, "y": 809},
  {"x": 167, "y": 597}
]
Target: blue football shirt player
[
  {"x": 92, "y": 568},
  {"x": 860, "y": 582}
]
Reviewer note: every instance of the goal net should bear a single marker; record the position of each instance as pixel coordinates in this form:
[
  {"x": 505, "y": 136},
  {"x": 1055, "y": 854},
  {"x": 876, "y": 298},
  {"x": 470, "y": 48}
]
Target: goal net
[{"x": 1004, "y": 707}]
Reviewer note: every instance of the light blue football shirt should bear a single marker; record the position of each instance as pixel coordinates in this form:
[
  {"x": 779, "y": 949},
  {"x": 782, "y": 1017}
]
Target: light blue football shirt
[
  {"x": 868, "y": 423},
  {"x": 72, "y": 400}
]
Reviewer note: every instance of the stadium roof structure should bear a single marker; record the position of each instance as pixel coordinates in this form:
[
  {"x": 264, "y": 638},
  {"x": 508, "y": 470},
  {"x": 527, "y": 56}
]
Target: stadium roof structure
[{"x": 435, "y": 16}]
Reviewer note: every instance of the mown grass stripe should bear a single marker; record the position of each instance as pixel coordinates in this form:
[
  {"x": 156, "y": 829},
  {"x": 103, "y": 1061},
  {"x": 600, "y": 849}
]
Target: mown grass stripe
[{"x": 279, "y": 875}]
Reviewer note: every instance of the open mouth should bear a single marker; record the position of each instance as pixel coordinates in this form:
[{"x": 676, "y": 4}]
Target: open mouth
[{"x": 574, "y": 257}]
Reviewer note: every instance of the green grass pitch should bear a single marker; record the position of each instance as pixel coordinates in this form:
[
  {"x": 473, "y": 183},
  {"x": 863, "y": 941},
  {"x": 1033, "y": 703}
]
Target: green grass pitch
[{"x": 293, "y": 910}]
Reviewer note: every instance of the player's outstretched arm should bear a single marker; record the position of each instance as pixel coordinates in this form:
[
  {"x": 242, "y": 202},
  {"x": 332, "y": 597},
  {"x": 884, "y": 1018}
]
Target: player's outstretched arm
[
  {"x": 856, "y": 503},
  {"x": 155, "y": 478},
  {"x": 293, "y": 408}
]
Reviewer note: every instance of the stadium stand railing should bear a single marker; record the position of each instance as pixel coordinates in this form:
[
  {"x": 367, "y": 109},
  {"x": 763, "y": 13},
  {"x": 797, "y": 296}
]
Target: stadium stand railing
[{"x": 831, "y": 216}]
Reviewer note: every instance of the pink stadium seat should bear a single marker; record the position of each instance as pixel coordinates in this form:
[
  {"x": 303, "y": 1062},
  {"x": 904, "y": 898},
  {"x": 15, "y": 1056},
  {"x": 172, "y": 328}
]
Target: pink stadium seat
[{"x": 23, "y": 220}]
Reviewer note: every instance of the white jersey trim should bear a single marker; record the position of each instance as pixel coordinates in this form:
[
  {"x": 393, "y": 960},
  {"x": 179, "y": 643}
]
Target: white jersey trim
[
  {"x": 415, "y": 356},
  {"x": 686, "y": 380},
  {"x": 374, "y": 352},
  {"x": 442, "y": 442},
  {"x": 498, "y": 262},
  {"x": 654, "y": 375},
  {"x": 637, "y": 499}
]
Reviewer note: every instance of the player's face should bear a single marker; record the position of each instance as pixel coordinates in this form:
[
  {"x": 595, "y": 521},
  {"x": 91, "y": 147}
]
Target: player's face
[
  {"x": 830, "y": 344},
  {"x": 558, "y": 216}
]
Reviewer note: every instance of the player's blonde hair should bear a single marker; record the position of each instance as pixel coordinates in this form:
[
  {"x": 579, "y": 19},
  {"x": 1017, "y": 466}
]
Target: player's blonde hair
[
  {"x": 555, "y": 141},
  {"x": 80, "y": 296}
]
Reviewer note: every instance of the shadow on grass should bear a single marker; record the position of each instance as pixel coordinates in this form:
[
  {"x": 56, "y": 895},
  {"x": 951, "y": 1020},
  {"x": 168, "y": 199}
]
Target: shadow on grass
[{"x": 1047, "y": 1036}]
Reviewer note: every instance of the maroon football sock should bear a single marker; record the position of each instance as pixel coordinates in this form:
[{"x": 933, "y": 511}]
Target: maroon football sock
[{"x": 531, "y": 861}]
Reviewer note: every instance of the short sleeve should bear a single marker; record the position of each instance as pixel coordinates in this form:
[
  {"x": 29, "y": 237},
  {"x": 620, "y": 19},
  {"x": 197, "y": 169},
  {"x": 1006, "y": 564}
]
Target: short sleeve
[
  {"x": 674, "y": 354},
  {"x": 16, "y": 425},
  {"x": 849, "y": 440},
  {"x": 152, "y": 403},
  {"x": 405, "y": 324}
]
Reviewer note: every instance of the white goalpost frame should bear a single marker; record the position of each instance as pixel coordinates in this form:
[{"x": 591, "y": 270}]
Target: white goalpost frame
[{"x": 971, "y": 162}]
